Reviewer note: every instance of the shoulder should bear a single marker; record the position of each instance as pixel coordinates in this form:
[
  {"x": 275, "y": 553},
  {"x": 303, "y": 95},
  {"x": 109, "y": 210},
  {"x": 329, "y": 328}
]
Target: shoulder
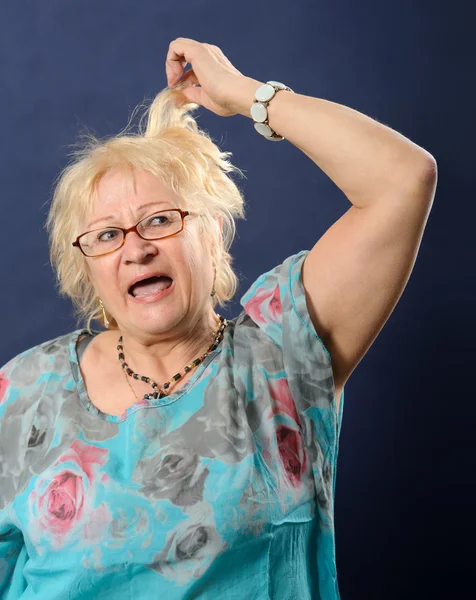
[
  {"x": 274, "y": 295},
  {"x": 34, "y": 363},
  {"x": 280, "y": 275}
]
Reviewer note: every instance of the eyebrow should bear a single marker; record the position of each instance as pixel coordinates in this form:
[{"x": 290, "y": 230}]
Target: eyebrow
[{"x": 110, "y": 218}]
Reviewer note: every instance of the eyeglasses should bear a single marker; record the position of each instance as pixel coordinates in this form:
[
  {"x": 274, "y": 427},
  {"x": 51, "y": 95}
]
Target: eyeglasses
[{"x": 159, "y": 225}]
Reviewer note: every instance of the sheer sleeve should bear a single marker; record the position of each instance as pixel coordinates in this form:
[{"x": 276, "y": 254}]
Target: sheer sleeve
[{"x": 276, "y": 302}]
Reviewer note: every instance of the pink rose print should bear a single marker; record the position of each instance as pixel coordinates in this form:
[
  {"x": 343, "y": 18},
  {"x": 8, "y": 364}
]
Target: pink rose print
[
  {"x": 265, "y": 305},
  {"x": 292, "y": 453},
  {"x": 284, "y": 402},
  {"x": 64, "y": 499},
  {"x": 3, "y": 386},
  {"x": 289, "y": 438},
  {"x": 62, "y": 503}
]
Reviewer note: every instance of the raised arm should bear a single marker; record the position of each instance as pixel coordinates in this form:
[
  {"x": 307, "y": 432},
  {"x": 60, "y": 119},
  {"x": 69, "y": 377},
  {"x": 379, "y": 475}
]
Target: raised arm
[{"x": 357, "y": 271}]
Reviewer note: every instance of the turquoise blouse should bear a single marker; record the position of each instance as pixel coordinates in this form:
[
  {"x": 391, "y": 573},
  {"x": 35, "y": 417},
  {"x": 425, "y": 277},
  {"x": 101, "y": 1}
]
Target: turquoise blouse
[{"x": 224, "y": 489}]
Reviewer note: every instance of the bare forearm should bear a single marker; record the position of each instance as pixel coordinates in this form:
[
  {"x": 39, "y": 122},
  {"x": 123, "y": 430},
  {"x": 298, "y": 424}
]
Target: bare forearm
[{"x": 365, "y": 159}]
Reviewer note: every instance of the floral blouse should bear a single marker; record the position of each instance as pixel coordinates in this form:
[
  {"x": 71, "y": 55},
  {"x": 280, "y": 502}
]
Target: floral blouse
[{"x": 224, "y": 489}]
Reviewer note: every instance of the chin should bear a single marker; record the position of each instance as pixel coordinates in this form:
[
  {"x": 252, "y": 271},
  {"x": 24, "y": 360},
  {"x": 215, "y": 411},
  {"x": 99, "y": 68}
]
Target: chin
[{"x": 154, "y": 320}]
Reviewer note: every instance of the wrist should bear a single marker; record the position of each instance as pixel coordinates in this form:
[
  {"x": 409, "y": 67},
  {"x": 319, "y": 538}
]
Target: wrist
[{"x": 243, "y": 96}]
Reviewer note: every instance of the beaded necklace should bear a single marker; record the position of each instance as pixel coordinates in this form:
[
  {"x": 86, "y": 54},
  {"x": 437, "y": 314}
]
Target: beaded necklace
[{"x": 159, "y": 392}]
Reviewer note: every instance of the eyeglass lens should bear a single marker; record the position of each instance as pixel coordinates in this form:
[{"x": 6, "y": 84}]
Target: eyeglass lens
[{"x": 153, "y": 227}]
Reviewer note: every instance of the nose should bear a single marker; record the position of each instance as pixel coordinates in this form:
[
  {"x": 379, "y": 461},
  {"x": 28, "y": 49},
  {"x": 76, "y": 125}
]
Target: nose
[{"x": 135, "y": 249}]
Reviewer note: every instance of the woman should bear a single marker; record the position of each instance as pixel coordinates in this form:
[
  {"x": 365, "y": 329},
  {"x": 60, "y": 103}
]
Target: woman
[{"x": 176, "y": 454}]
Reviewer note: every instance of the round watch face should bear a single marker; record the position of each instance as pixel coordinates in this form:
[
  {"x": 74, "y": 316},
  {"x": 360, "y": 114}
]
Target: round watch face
[{"x": 265, "y": 92}]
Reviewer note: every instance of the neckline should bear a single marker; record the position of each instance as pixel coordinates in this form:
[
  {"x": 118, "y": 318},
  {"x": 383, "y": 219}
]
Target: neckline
[{"x": 158, "y": 403}]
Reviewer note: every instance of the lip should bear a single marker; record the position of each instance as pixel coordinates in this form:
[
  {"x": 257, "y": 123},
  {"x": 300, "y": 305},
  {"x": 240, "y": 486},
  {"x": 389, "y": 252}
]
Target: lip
[
  {"x": 146, "y": 276},
  {"x": 152, "y": 297}
]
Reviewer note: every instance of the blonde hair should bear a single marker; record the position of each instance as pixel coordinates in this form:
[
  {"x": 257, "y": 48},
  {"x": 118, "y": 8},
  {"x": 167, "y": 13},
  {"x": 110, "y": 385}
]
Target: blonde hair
[{"x": 169, "y": 144}]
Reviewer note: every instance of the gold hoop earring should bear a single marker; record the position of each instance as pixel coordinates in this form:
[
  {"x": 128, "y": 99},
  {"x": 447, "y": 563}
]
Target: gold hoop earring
[{"x": 106, "y": 322}]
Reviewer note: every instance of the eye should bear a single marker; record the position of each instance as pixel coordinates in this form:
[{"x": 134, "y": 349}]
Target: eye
[
  {"x": 109, "y": 235},
  {"x": 157, "y": 221}
]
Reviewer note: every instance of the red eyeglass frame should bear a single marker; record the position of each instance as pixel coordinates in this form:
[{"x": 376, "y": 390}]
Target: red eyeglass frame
[{"x": 183, "y": 214}]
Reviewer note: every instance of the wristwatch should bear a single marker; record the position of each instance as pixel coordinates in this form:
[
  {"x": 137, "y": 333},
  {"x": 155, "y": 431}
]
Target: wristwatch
[{"x": 259, "y": 112}]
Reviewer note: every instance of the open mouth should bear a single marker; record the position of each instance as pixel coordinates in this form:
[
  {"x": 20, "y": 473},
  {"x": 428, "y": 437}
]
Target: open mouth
[{"x": 150, "y": 286}]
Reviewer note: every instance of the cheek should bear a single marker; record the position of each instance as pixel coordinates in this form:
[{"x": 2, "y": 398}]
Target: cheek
[
  {"x": 192, "y": 253},
  {"x": 196, "y": 264},
  {"x": 101, "y": 276}
]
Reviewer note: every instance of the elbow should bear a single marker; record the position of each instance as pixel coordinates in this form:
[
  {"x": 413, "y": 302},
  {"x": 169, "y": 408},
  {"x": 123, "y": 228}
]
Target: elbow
[
  {"x": 422, "y": 177},
  {"x": 428, "y": 179},
  {"x": 429, "y": 167}
]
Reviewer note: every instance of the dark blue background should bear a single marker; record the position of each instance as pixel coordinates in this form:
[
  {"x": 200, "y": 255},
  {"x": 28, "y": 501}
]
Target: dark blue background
[{"x": 404, "y": 479}]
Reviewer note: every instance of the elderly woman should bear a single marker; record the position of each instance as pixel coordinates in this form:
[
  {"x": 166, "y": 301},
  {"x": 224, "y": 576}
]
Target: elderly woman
[{"x": 177, "y": 454}]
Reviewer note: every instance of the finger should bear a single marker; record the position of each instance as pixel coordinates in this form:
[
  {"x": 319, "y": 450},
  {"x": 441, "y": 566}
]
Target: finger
[
  {"x": 193, "y": 94},
  {"x": 179, "y": 54},
  {"x": 174, "y": 70},
  {"x": 188, "y": 79}
]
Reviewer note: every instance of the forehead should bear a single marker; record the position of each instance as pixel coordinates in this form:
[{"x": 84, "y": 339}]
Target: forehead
[{"x": 118, "y": 190}]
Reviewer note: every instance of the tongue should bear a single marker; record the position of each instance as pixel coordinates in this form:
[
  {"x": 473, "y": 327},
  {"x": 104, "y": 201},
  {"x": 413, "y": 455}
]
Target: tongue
[{"x": 151, "y": 286}]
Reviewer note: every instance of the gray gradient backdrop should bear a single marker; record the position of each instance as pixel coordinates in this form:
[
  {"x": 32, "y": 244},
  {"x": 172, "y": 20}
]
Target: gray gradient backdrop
[{"x": 404, "y": 479}]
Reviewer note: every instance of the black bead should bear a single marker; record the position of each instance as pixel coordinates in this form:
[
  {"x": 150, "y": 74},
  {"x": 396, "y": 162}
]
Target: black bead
[
  {"x": 166, "y": 385},
  {"x": 176, "y": 377},
  {"x": 136, "y": 376},
  {"x": 214, "y": 347},
  {"x": 129, "y": 371},
  {"x": 144, "y": 378},
  {"x": 156, "y": 395},
  {"x": 124, "y": 365},
  {"x": 154, "y": 385},
  {"x": 196, "y": 362},
  {"x": 187, "y": 369},
  {"x": 119, "y": 347},
  {"x": 121, "y": 356}
]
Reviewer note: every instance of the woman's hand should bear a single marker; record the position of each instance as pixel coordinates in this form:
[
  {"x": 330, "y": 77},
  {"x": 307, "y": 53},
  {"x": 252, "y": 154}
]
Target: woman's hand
[{"x": 220, "y": 83}]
